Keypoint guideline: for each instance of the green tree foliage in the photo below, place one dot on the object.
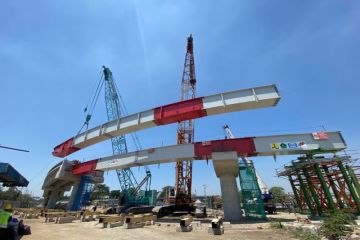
(11, 194)
(25, 199)
(115, 194)
(335, 225)
(101, 191)
(279, 194)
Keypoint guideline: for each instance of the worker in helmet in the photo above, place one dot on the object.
(5, 218)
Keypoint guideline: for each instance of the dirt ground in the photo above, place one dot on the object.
(164, 230)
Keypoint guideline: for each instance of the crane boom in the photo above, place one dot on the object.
(127, 180)
(185, 131)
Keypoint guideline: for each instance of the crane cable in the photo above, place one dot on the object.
(133, 135)
(89, 109)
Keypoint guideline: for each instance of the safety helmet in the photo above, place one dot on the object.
(8, 207)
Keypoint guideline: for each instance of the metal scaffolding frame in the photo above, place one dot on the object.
(252, 201)
(324, 184)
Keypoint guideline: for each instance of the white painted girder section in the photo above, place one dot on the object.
(147, 157)
(264, 145)
(121, 126)
(239, 100)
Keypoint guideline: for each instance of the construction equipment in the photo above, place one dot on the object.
(131, 189)
(128, 183)
(255, 195)
(185, 131)
(179, 198)
(324, 184)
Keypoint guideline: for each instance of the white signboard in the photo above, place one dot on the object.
(288, 145)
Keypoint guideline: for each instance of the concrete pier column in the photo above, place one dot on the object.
(54, 197)
(227, 169)
(74, 192)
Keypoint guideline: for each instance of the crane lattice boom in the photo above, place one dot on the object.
(185, 132)
(127, 181)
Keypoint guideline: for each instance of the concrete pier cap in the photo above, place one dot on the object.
(226, 167)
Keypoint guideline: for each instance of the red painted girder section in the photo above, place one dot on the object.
(243, 146)
(179, 111)
(85, 167)
(65, 148)
(171, 113)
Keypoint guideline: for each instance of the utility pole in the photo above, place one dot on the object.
(205, 195)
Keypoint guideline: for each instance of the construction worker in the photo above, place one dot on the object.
(5, 218)
(10, 227)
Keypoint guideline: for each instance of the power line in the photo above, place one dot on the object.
(15, 149)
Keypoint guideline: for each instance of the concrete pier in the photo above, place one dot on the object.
(227, 169)
(54, 196)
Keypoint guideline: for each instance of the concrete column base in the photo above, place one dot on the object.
(134, 225)
(184, 229)
(227, 169)
(216, 231)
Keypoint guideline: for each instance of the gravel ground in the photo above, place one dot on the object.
(167, 230)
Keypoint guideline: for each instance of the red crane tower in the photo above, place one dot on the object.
(185, 131)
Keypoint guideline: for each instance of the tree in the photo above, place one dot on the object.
(101, 191)
(115, 194)
(25, 199)
(278, 194)
(11, 194)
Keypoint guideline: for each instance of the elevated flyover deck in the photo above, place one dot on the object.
(60, 179)
(225, 154)
(244, 99)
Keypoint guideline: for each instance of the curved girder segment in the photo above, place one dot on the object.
(290, 144)
(239, 100)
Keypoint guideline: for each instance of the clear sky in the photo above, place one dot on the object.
(51, 53)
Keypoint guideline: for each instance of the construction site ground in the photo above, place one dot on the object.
(162, 229)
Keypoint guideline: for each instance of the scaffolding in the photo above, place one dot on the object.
(251, 198)
(324, 184)
(83, 193)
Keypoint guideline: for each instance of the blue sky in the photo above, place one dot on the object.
(51, 55)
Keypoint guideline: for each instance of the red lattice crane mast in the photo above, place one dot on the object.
(185, 132)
